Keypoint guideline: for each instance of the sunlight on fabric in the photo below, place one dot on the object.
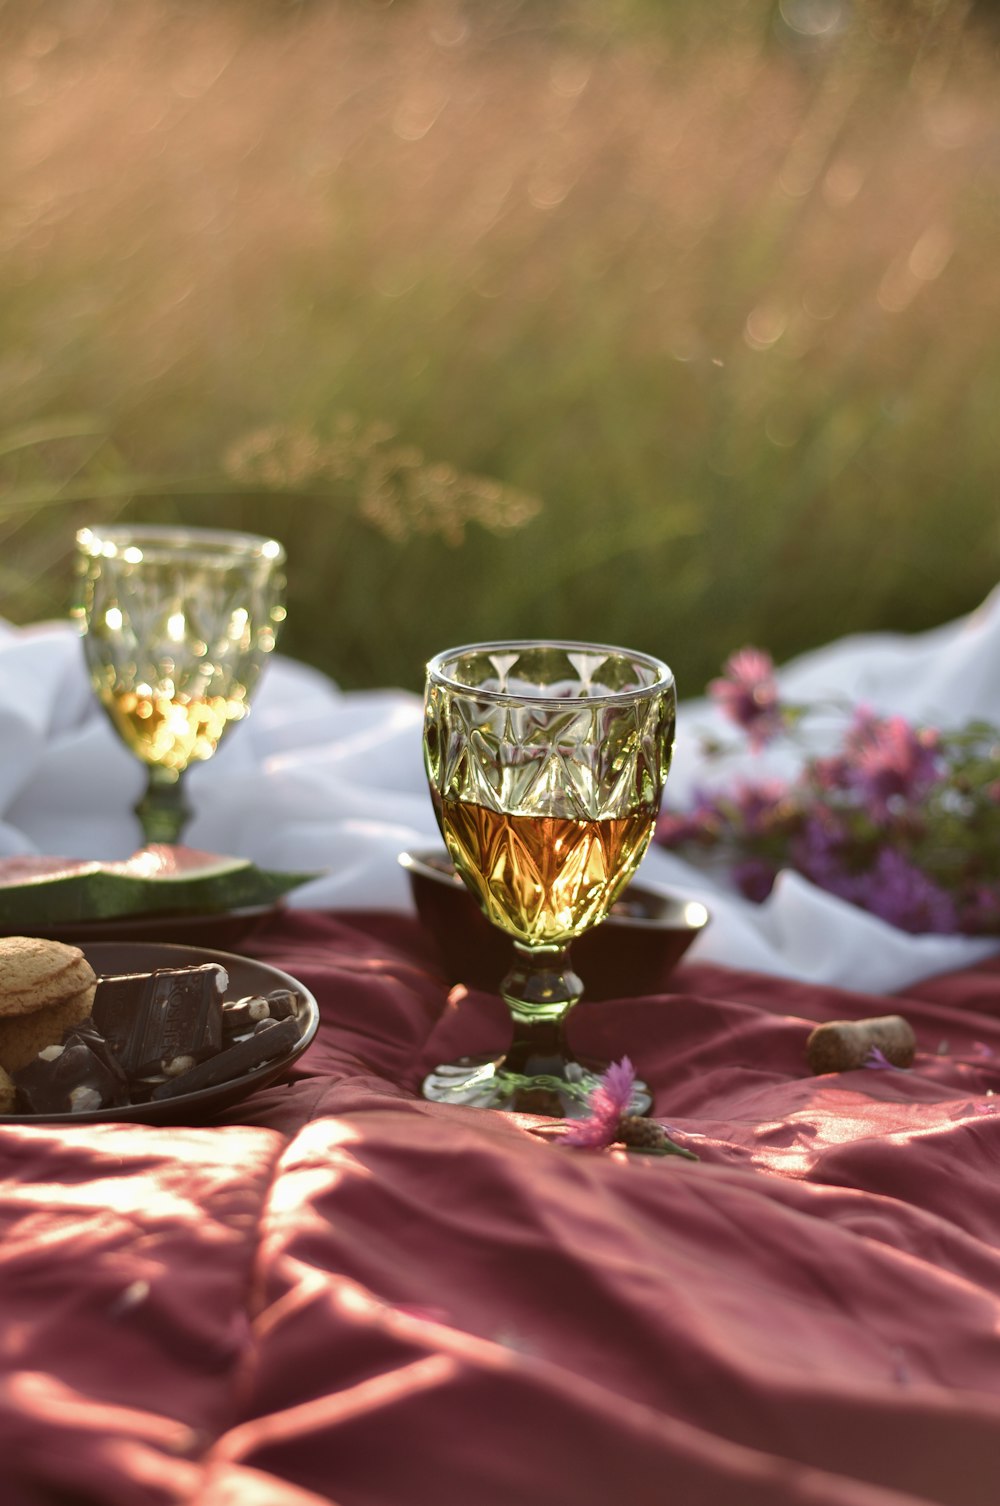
(382, 1390)
(376, 1393)
(797, 1143)
(112, 1197)
(100, 1186)
(118, 1428)
(325, 1147)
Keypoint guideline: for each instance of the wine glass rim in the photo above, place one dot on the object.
(163, 539)
(664, 676)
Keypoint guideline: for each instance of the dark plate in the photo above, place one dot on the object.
(245, 977)
(224, 928)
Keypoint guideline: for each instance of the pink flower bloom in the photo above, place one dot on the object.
(608, 1102)
(830, 774)
(747, 694)
(890, 761)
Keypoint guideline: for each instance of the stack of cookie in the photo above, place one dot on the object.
(46, 987)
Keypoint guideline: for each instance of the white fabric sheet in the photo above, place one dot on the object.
(321, 779)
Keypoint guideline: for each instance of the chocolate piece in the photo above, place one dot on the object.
(151, 1018)
(239, 1018)
(843, 1045)
(275, 1037)
(70, 1079)
(262, 1026)
(86, 1032)
(282, 1003)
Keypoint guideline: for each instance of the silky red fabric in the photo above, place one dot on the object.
(345, 1294)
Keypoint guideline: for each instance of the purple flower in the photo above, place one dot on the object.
(890, 886)
(758, 805)
(754, 878)
(878, 1060)
(890, 762)
(898, 892)
(608, 1102)
(818, 853)
(701, 824)
(750, 810)
(900, 820)
(747, 694)
(610, 1120)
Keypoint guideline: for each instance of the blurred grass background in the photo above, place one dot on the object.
(650, 321)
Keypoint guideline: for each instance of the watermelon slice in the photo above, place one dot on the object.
(157, 880)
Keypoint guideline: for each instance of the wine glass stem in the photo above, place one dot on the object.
(540, 990)
(163, 810)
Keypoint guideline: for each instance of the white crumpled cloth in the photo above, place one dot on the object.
(322, 779)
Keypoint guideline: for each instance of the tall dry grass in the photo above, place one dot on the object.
(725, 308)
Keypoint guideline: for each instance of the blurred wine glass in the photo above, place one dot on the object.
(177, 625)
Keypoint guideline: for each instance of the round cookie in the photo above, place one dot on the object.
(35, 974)
(22, 1036)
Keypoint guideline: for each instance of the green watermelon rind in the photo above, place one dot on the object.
(97, 894)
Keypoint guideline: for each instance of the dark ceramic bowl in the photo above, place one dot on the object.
(633, 952)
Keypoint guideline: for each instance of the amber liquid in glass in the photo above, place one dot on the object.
(543, 879)
(173, 732)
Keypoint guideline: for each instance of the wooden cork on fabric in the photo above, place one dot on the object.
(844, 1045)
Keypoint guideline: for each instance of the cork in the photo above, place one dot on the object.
(844, 1045)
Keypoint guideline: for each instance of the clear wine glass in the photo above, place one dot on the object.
(177, 624)
(546, 763)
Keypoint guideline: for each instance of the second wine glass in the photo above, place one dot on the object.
(546, 764)
(177, 624)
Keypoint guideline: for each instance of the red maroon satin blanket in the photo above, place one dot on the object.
(345, 1294)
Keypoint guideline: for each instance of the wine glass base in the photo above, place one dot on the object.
(482, 1082)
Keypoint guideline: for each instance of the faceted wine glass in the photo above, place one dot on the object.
(546, 764)
(177, 624)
